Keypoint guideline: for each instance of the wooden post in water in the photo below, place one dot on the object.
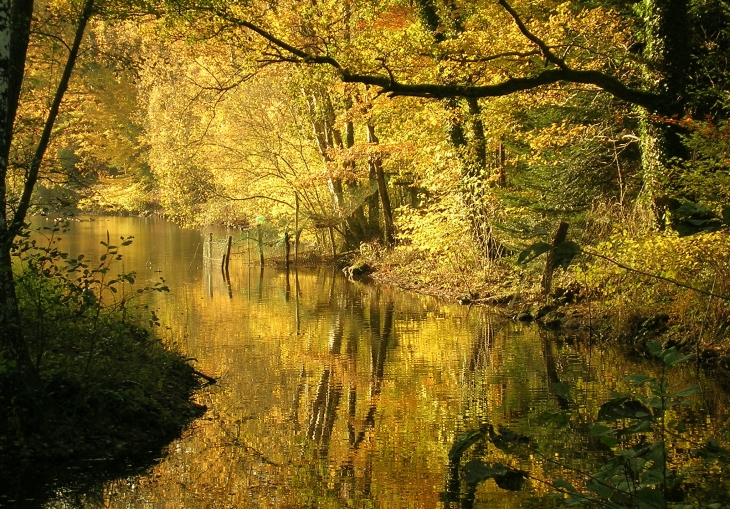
(261, 244)
(332, 241)
(227, 255)
(210, 246)
(287, 249)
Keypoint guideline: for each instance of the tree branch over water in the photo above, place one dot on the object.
(390, 85)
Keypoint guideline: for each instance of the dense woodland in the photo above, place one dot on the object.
(438, 138)
(435, 137)
(569, 159)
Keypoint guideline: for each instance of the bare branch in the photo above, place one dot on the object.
(258, 197)
(302, 55)
(32, 175)
(52, 36)
(549, 55)
(603, 81)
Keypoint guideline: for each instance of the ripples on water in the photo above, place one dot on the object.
(342, 394)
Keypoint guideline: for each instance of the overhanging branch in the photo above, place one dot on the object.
(605, 82)
(390, 85)
(35, 164)
(549, 55)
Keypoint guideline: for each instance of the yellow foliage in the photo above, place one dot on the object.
(699, 261)
(436, 230)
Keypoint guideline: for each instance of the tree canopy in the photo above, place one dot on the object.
(422, 124)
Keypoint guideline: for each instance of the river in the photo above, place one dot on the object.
(335, 393)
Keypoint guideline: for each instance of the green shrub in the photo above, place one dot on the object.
(103, 376)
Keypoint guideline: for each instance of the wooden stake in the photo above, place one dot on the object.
(547, 276)
(227, 256)
(287, 249)
(261, 244)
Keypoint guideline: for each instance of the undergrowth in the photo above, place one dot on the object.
(104, 384)
(629, 281)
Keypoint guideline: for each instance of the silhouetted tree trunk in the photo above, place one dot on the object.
(15, 23)
(666, 35)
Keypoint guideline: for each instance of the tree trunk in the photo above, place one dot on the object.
(475, 173)
(666, 32)
(467, 137)
(363, 226)
(15, 20)
(328, 138)
(14, 33)
(332, 242)
(373, 203)
(377, 167)
(287, 249)
(661, 147)
(14, 347)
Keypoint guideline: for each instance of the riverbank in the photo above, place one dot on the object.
(137, 393)
(630, 298)
(100, 385)
(82, 426)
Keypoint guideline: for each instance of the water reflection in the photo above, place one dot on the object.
(340, 394)
(71, 484)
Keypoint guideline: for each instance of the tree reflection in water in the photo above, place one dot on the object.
(340, 394)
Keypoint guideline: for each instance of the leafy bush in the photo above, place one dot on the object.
(699, 262)
(102, 375)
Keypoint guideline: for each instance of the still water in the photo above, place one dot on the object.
(335, 393)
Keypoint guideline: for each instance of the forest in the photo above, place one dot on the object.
(444, 143)
(567, 161)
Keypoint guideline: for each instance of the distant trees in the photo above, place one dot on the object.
(231, 141)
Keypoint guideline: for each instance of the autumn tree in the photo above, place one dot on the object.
(529, 53)
(101, 150)
(467, 134)
(225, 135)
(16, 20)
